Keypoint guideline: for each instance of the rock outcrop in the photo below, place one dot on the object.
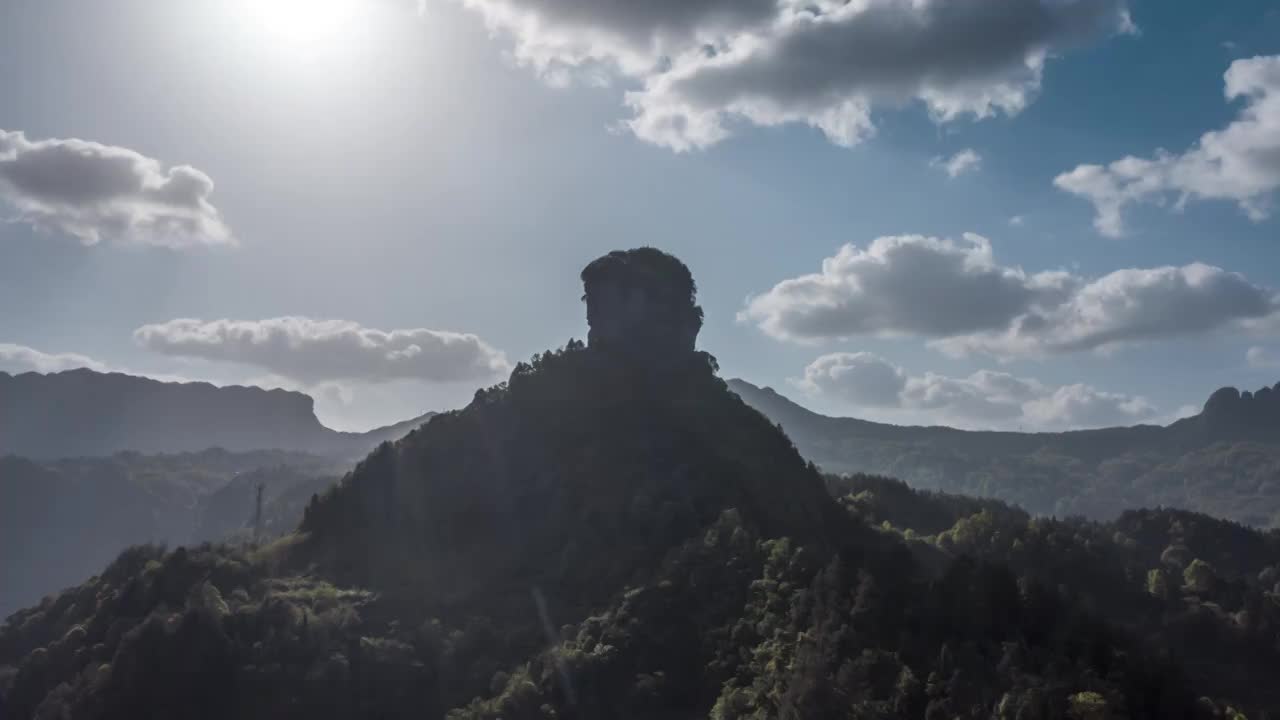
(1229, 406)
(641, 302)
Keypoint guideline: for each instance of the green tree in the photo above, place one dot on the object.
(1087, 705)
(1158, 582)
(1199, 576)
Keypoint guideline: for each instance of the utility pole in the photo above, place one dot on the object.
(257, 515)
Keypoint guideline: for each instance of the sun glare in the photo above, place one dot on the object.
(302, 27)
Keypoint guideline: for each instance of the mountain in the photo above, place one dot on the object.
(613, 533)
(1224, 461)
(61, 521)
(86, 413)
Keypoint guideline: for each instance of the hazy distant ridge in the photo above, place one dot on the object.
(87, 413)
(1224, 461)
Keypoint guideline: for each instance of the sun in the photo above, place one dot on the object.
(304, 28)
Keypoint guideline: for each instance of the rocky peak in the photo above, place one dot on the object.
(641, 302)
(1229, 405)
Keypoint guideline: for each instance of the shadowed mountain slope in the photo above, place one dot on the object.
(81, 412)
(61, 521)
(1224, 461)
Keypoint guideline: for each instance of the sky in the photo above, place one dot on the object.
(1036, 214)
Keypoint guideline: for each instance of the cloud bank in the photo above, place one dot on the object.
(315, 351)
(957, 296)
(94, 192)
(20, 358)
(1239, 163)
(985, 399)
(704, 65)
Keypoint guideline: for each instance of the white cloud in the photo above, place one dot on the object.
(703, 64)
(1126, 307)
(965, 161)
(861, 379)
(1261, 358)
(1082, 406)
(956, 295)
(315, 351)
(904, 285)
(985, 399)
(1017, 221)
(1240, 163)
(20, 358)
(96, 192)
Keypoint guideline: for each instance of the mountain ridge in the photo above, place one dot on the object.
(1223, 406)
(1222, 461)
(84, 412)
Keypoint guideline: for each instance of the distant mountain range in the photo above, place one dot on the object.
(1224, 461)
(86, 413)
(91, 463)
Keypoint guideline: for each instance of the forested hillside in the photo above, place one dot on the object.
(612, 533)
(62, 521)
(1224, 461)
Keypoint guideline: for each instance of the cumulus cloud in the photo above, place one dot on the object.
(904, 285)
(20, 358)
(956, 295)
(703, 64)
(315, 351)
(965, 161)
(1239, 163)
(984, 399)
(1129, 306)
(862, 379)
(96, 192)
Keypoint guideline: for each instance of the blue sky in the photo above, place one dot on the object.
(420, 172)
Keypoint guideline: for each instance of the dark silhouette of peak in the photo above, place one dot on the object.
(1224, 401)
(641, 302)
(87, 413)
(1229, 408)
(585, 466)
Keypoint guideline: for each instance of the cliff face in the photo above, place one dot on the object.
(640, 303)
(87, 413)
